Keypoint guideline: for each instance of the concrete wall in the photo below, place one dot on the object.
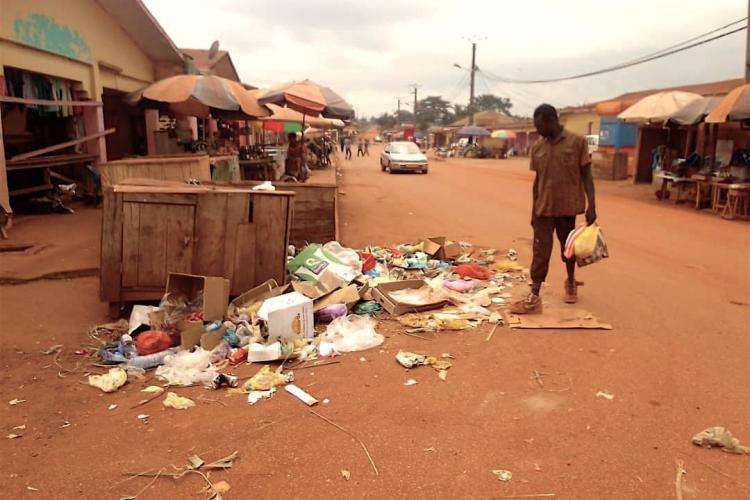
(72, 39)
(578, 123)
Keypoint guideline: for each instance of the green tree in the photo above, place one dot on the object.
(490, 102)
(433, 110)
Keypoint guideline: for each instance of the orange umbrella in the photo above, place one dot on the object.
(200, 95)
(734, 107)
(309, 98)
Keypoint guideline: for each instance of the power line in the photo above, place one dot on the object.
(657, 55)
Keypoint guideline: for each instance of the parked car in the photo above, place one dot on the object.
(403, 156)
(378, 139)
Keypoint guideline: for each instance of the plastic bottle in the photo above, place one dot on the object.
(150, 361)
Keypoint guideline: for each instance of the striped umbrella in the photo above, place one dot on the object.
(200, 95)
(307, 97)
(503, 134)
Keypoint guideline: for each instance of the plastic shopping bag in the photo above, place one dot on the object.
(585, 243)
(600, 251)
(570, 250)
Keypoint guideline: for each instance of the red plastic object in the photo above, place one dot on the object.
(152, 341)
(194, 316)
(368, 262)
(238, 355)
(473, 271)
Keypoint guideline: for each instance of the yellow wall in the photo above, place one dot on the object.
(578, 123)
(69, 39)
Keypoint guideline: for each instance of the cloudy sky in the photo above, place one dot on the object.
(371, 51)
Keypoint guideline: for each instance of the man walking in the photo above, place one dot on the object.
(348, 147)
(563, 177)
(360, 148)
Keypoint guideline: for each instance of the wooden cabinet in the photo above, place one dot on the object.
(151, 230)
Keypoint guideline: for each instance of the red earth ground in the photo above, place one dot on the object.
(676, 289)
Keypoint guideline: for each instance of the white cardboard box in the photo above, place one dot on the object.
(288, 316)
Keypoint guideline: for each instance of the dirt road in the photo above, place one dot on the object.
(676, 289)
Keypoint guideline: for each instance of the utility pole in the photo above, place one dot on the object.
(471, 88)
(415, 87)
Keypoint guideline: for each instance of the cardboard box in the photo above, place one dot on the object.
(215, 292)
(349, 296)
(261, 292)
(288, 316)
(194, 333)
(382, 295)
(440, 248)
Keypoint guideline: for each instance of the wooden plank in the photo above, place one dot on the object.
(244, 259)
(178, 169)
(33, 189)
(152, 245)
(237, 213)
(130, 229)
(111, 247)
(47, 102)
(210, 231)
(171, 199)
(62, 145)
(271, 231)
(180, 233)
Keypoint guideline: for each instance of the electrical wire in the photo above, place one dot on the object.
(644, 59)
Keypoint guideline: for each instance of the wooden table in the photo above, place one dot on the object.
(681, 183)
(250, 169)
(720, 201)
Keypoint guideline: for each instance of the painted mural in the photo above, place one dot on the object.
(44, 33)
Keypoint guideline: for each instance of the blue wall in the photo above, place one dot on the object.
(614, 132)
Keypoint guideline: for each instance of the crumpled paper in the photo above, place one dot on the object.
(110, 381)
(410, 360)
(177, 402)
(266, 379)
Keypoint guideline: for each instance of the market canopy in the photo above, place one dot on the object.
(472, 131)
(307, 97)
(694, 112)
(658, 107)
(279, 114)
(734, 107)
(200, 95)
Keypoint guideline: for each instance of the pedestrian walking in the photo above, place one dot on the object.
(348, 147)
(360, 148)
(367, 147)
(562, 184)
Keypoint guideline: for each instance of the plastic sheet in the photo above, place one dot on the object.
(353, 333)
(187, 368)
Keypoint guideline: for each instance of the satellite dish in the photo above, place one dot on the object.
(213, 50)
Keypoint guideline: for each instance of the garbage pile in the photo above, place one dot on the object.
(332, 305)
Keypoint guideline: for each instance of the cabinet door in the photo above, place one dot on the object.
(157, 239)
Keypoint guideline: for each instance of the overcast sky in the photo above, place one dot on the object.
(371, 51)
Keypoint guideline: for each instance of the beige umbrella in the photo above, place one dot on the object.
(734, 107)
(658, 107)
(281, 114)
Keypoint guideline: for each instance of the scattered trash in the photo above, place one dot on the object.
(13, 436)
(411, 381)
(186, 368)
(19, 427)
(266, 379)
(443, 374)
(144, 418)
(503, 475)
(14, 402)
(112, 407)
(53, 349)
(605, 394)
(65, 424)
(177, 402)
(346, 474)
(352, 333)
(31, 488)
(301, 395)
(326, 401)
(720, 437)
(255, 396)
(153, 389)
(363, 359)
(110, 381)
(410, 360)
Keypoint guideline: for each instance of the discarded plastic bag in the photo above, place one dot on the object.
(153, 341)
(187, 368)
(353, 333)
(177, 402)
(346, 255)
(110, 381)
(473, 271)
(265, 379)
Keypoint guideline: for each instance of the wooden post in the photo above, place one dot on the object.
(93, 122)
(4, 196)
(152, 125)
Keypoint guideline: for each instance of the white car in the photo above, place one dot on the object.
(403, 156)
